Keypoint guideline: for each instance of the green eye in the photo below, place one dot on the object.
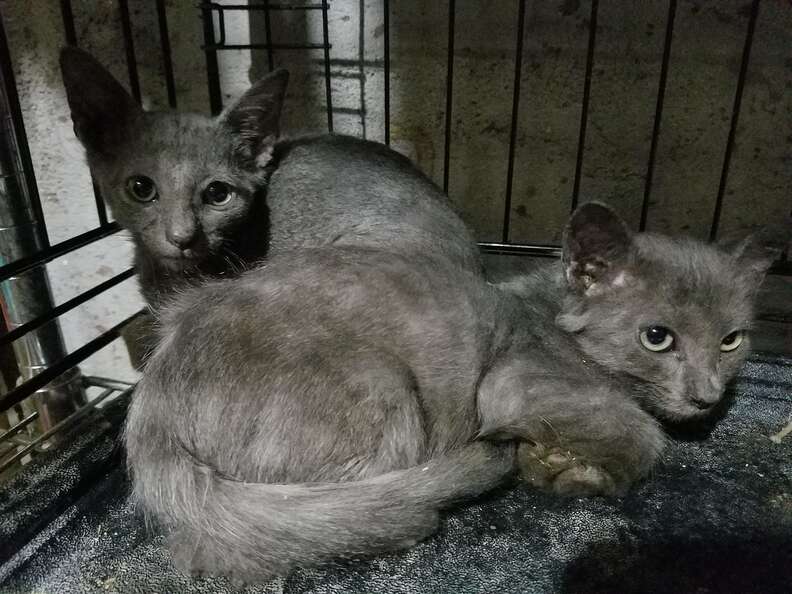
(732, 341)
(657, 339)
(218, 193)
(142, 188)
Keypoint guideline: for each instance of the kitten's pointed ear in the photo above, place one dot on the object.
(597, 246)
(757, 252)
(253, 120)
(102, 111)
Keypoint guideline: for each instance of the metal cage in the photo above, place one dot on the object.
(52, 382)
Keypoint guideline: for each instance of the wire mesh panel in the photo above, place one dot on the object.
(47, 393)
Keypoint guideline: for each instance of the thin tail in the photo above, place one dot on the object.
(257, 530)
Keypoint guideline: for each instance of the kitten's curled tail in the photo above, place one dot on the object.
(254, 531)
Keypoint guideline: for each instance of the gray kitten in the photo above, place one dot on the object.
(209, 196)
(330, 403)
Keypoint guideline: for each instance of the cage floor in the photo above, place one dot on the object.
(715, 517)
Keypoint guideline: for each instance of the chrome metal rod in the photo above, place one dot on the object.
(22, 234)
(106, 382)
(19, 426)
(63, 424)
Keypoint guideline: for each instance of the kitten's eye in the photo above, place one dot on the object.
(732, 341)
(657, 339)
(142, 188)
(218, 193)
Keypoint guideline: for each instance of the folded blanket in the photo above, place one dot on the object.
(715, 517)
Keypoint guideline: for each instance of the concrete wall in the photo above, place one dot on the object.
(705, 60)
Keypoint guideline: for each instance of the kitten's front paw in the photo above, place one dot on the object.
(559, 471)
(584, 481)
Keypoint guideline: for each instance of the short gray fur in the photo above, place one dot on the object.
(331, 402)
(287, 193)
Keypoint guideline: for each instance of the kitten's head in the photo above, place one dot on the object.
(674, 313)
(180, 183)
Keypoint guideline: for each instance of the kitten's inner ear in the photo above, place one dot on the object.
(597, 246)
(253, 120)
(102, 111)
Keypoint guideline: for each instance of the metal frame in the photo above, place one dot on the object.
(213, 18)
(212, 46)
(28, 447)
(49, 251)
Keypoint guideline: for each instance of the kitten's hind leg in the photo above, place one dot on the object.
(342, 415)
(595, 439)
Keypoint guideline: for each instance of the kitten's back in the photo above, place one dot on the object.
(347, 191)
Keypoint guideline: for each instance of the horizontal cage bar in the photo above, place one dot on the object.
(268, 46)
(57, 250)
(60, 426)
(65, 307)
(37, 382)
(6, 436)
(256, 7)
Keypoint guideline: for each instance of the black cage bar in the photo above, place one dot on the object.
(658, 115)
(735, 118)
(14, 131)
(584, 107)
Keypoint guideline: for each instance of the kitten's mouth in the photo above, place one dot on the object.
(673, 410)
(688, 412)
(180, 262)
(694, 413)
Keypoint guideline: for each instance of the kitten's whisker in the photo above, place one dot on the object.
(234, 260)
(560, 439)
(231, 264)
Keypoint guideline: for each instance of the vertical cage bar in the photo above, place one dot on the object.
(514, 122)
(134, 85)
(326, 43)
(67, 15)
(71, 38)
(386, 42)
(23, 235)
(449, 94)
(101, 209)
(129, 47)
(17, 136)
(167, 60)
(268, 33)
(746, 56)
(585, 107)
(658, 116)
(212, 72)
(361, 63)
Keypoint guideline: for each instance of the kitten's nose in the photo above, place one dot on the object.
(708, 394)
(702, 403)
(180, 237)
